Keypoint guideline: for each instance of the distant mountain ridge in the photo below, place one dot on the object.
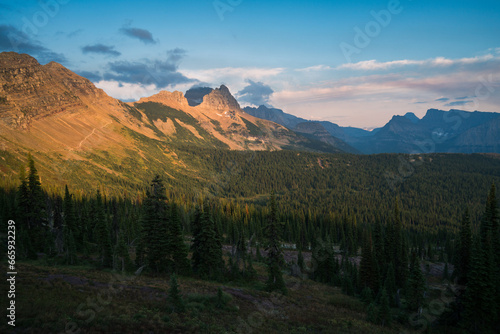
(454, 131)
(62, 118)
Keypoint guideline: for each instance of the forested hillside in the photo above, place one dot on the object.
(391, 230)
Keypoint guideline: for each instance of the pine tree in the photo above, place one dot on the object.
(371, 313)
(384, 312)
(479, 303)
(124, 263)
(37, 213)
(154, 236)
(415, 287)
(275, 258)
(26, 248)
(207, 248)
(390, 284)
(175, 297)
(481, 295)
(102, 233)
(23, 201)
(462, 262)
(177, 247)
(367, 270)
(69, 228)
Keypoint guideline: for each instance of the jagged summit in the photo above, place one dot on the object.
(173, 99)
(221, 100)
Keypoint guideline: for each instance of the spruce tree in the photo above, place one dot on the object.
(207, 248)
(26, 247)
(23, 201)
(479, 315)
(415, 287)
(371, 313)
(175, 297)
(154, 236)
(384, 312)
(367, 271)
(69, 228)
(177, 248)
(462, 263)
(122, 255)
(275, 258)
(102, 233)
(482, 292)
(37, 212)
(390, 284)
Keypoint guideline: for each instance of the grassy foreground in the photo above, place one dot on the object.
(63, 299)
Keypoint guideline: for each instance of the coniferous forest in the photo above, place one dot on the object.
(394, 252)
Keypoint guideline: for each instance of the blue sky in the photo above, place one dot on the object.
(351, 62)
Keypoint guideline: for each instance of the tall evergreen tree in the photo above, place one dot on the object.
(103, 236)
(462, 262)
(415, 287)
(367, 270)
(122, 256)
(174, 295)
(26, 247)
(176, 245)
(390, 284)
(154, 236)
(384, 312)
(275, 258)
(480, 313)
(69, 228)
(207, 248)
(37, 213)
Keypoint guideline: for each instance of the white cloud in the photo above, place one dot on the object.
(373, 65)
(315, 68)
(233, 77)
(372, 100)
(126, 91)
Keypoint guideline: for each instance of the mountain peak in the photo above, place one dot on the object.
(221, 99)
(173, 99)
(11, 60)
(412, 117)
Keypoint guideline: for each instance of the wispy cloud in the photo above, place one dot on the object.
(74, 33)
(374, 65)
(235, 77)
(143, 35)
(101, 49)
(161, 73)
(315, 68)
(458, 103)
(443, 99)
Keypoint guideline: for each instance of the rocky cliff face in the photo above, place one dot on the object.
(30, 91)
(173, 99)
(65, 120)
(221, 100)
